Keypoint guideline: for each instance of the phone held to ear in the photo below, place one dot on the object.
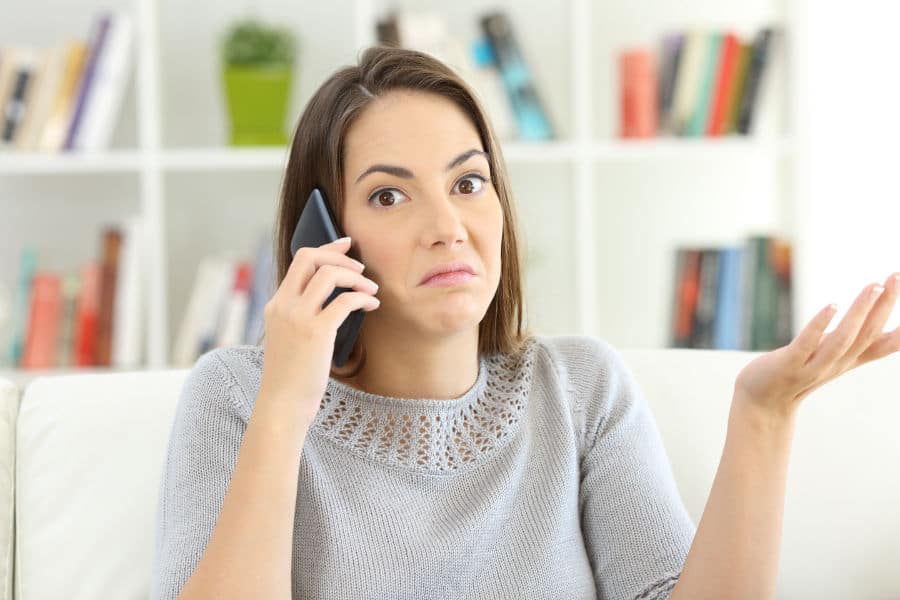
(317, 226)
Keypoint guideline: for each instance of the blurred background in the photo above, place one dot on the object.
(689, 174)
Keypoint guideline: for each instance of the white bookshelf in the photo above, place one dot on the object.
(161, 169)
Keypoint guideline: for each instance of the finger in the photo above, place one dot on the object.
(887, 343)
(329, 277)
(308, 259)
(874, 324)
(810, 337)
(345, 303)
(835, 345)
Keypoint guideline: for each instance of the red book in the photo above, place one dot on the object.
(724, 85)
(688, 293)
(85, 339)
(43, 322)
(639, 97)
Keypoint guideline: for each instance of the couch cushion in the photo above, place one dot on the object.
(90, 456)
(841, 532)
(9, 404)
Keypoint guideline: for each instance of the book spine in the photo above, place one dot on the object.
(112, 241)
(638, 96)
(87, 80)
(758, 60)
(43, 326)
(532, 119)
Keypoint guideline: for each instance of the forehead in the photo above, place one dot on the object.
(408, 128)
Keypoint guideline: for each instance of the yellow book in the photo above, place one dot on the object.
(53, 136)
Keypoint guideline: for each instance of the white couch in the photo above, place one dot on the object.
(87, 450)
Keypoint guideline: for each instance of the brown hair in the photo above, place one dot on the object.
(317, 160)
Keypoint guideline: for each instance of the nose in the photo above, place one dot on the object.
(443, 222)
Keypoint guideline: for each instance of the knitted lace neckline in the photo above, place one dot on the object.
(431, 435)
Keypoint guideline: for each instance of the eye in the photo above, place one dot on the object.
(381, 196)
(481, 179)
(384, 195)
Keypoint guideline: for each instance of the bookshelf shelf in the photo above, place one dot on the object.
(177, 116)
(115, 161)
(273, 158)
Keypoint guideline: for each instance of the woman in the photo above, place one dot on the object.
(457, 455)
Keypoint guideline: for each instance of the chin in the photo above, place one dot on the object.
(449, 319)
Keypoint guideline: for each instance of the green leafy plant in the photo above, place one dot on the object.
(250, 42)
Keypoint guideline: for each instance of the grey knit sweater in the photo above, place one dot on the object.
(546, 479)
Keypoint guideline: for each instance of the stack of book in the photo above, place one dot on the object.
(733, 297)
(88, 318)
(225, 307)
(68, 97)
(495, 67)
(702, 83)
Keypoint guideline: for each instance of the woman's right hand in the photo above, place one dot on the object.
(300, 334)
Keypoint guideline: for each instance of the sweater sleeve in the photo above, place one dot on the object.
(202, 452)
(636, 529)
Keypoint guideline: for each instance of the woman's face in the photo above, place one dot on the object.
(430, 208)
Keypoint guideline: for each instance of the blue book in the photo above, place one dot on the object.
(727, 325)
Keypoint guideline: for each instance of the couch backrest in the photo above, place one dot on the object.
(90, 455)
(842, 504)
(9, 406)
(91, 450)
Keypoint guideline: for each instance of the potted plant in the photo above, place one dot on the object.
(257, 71)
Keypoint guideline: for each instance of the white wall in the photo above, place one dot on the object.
(851, 115)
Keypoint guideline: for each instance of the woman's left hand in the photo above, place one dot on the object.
(777, 381)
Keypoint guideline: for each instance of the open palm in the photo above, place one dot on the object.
(778, 380)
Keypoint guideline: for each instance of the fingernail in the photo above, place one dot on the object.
(876, 291)
(342, 240)
(359, 264)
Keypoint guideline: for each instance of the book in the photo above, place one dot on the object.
(726, 326)
(56, 127)
(758, 60)
(699, 118)
(531, 117)
(127, 307)
(638, 94)
(707, 299)
(110, 80)
(687, 282)
(13, 112)
(724, 85)
(86, 311)
(86, 81)
(689, 82)
(22, 304)
(43, 323)
(670, 51)
(262, 286)
(109, 268)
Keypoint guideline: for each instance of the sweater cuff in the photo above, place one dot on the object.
(661, 589)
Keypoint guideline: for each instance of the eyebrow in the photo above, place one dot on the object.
(407, 174)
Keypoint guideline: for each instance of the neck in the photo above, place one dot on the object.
(441, 368)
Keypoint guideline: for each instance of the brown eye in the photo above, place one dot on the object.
(466, 185)
(385, 198)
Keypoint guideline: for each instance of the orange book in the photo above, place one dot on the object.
(724, 86)
(85, 339)
(639, 97)
(43, 322)
(109, 267)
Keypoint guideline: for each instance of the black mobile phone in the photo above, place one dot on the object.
(315, 227)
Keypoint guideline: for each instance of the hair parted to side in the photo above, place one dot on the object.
(317, 160)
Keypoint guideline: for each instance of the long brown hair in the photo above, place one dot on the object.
(317, 160)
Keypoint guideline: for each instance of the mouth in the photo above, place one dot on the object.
(453, 272)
